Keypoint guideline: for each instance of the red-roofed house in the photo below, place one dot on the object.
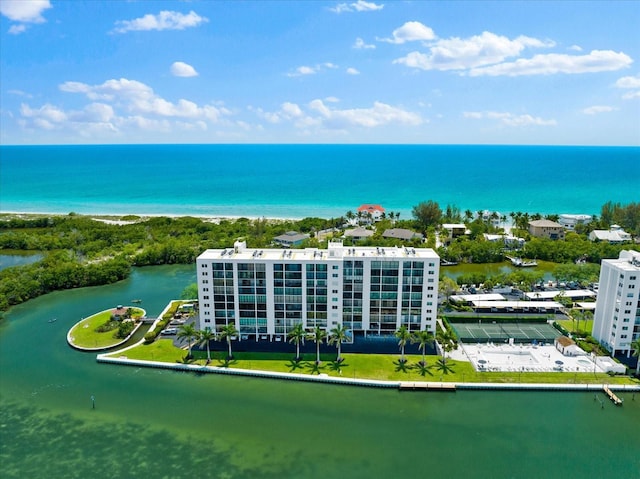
(374, 212)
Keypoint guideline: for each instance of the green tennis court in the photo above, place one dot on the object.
(521, 333)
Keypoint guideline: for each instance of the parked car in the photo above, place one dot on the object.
(169, 331)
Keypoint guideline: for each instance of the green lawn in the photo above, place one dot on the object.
(571, 325)
(84, 335)
(384, 367)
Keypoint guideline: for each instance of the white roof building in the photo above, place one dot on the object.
(614, 235)
(368, 290)
(617, 317)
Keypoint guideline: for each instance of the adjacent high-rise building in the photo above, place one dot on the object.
(617, 317)
(367, 290)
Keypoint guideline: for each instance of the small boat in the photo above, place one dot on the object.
(53, 320)
(136, 301)
(448, 263)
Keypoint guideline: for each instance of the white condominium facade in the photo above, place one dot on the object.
(617, 317)
(368, 290)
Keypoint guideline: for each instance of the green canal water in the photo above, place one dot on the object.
(158, 424)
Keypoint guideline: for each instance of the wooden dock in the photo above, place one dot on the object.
(616, 400)
(426, 386)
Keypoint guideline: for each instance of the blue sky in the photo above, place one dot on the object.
(359, 71)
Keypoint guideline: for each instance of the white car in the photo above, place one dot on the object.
(169, 331)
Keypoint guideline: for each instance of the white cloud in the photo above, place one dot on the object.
(307, 70)
(594, 110)
(410, 32)
(181, 69)
(509, 119)
(24, 11)
(460, 54)
(378, 115)
(165, 20)
(17, 29)
(352, 71)
(359, 6)
(361, 45)
(321, 115)
(119, 105)
(575, 48)
(332, 99)
(303, 70)
(552, 63)
(629, 82)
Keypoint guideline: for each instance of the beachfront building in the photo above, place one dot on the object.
(368, 290)
(370, 213)
(546, 229)
(569, 221)
(617, 318)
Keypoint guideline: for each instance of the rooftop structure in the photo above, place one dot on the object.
(617, 317)
(569, 293)
(368, 290)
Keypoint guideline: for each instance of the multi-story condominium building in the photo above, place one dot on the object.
(617, 317)
(367, 290)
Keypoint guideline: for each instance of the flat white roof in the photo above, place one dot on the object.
(315, 254)
(588, 306)
(478, 297)
(569, 293)
(517, 304)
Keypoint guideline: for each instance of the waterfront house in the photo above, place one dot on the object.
(569, 221)
(371, 213)
(546, 229)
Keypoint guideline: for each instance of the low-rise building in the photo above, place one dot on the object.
(371, 212)
(358, 234)
(615, 235)
(402, 234)
(569, 221)
(290, 238)
(546, 229)
(454, 230)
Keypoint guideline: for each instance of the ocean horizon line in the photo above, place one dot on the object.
(471, 145)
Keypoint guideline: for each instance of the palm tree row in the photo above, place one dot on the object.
(423, 338)
(318, 335)
(205, 336)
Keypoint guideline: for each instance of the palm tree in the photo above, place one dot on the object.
(636, 352)
(296, 336)
(424, 339)
(317, 335)
(188, 331)
(205, 336)
(338, 335)
(446, 342)
(227, 332)
(403, 335)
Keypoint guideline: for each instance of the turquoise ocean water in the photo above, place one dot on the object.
(313, 180)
